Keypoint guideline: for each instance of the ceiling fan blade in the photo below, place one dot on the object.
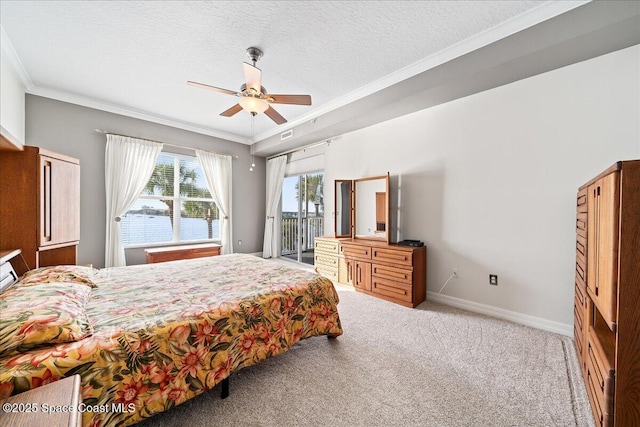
(275, 116)
(213, 88)
(289, 99)
(253, 77)
(231, 111)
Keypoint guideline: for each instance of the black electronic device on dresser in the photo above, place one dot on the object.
(414, 243)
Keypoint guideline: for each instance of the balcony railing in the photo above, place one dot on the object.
(312, 227)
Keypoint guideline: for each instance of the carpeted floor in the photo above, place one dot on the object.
(430, 366)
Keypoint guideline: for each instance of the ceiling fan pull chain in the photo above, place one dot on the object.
(253, 163)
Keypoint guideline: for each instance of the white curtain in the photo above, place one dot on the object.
(217, 170)
(275, 177)
(129, 163)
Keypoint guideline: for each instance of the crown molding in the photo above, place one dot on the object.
(136, 114)
(545, 11)
(16, 64)
(14, 60)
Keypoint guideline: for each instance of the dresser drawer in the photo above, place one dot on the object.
(578, 315)
(581, 270)
(581, 295)
(600, 380)
(400, 257)
(578, 339)
(580, 281)
(329, 272)
(581, 248)
(392, 289)
(581, 200)
(326, 260)
(328, 246)
(356, 251)
(580, 302)
(602, 419)
(581, 224)
(402, 275)
(579, 336)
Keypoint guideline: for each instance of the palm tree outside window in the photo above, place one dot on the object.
(175, 206)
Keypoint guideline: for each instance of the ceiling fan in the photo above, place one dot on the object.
(253, 96)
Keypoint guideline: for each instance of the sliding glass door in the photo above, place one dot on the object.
(302, 215)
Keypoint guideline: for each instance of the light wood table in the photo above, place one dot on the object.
(53, 405)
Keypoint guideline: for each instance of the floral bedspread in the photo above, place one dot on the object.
(164, 333)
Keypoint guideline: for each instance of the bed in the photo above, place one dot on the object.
(146, 338)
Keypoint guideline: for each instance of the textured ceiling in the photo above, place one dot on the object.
(136, 56)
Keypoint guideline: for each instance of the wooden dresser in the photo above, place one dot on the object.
(40, 206)
(385, 270)
(607, 293)
(174, 253)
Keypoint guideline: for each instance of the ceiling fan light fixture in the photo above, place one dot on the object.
(253, 105)
(253, 97)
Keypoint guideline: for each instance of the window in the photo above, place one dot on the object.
(174, 207)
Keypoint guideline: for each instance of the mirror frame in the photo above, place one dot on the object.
(386, 209)
(335, 205)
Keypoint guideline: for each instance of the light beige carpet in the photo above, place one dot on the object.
(431, 366)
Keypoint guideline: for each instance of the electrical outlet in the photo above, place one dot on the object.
(455, 272)
(239, 242)
(493, 279)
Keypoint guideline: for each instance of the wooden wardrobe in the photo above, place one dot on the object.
(607, 293)
(40, 206)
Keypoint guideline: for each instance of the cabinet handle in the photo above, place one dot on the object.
(597, 239)
(46, 202)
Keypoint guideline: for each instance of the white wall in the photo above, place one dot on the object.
(11, 103)
(489, 181)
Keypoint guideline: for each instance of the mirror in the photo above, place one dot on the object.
(343, 208)
(371, 208)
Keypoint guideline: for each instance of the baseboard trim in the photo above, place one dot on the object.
(513, 316)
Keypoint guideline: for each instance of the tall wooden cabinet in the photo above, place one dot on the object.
(386, 270)
(607, 293)
(40, 206)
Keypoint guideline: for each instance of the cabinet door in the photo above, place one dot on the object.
(59, 201)
(602, 240)
(362, 275)
(350, 270)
